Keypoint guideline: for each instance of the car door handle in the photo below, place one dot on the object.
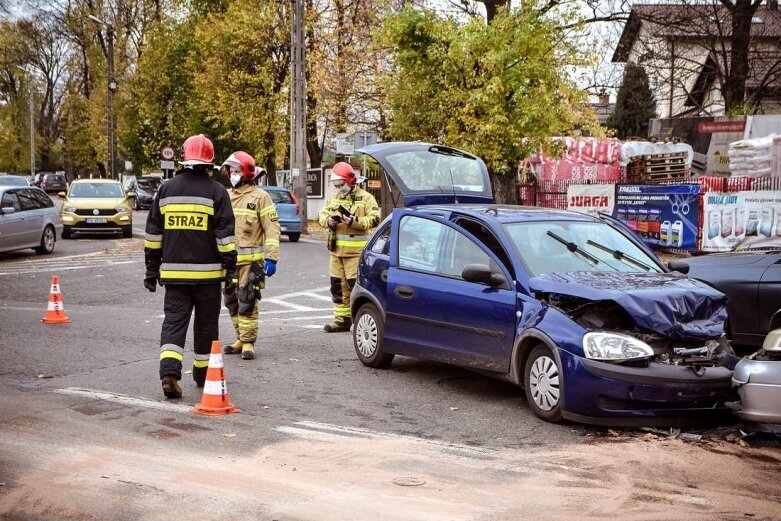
(404, 292)
(384, 275)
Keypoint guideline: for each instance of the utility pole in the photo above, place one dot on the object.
(298, 108)
(111, 171)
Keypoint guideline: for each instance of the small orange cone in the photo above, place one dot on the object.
(55, 313)
(214, 401)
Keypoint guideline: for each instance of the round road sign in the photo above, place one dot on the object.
(167, 153)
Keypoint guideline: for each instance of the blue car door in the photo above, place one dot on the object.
(431, 311)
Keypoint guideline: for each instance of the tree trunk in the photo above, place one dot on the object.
(735, 85)
(504, 187)
(492, 7)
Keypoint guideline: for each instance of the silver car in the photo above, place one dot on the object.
(28, 219)
(758, 381)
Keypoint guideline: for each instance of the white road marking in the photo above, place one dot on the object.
(50, 268)
(316, 296)
(301, 293)
(124, 399)
(296, 307)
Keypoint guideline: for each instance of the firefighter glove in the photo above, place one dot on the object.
(348, 220)
(231, 280)
(271, 267)
(151, 278)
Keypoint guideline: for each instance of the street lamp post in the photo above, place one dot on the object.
(32, 121)
(112, 87)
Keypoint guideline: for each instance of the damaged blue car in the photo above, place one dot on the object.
(573, 308)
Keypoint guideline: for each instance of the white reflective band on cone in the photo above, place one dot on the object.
(215, 360)
(215, 388)
(54, 306)
(55, 289)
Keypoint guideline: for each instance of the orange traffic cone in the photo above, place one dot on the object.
(214, 401)
(55, 313)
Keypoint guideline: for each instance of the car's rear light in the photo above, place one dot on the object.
(295, 200)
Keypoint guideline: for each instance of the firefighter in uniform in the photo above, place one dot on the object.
(349, 216)
(189, 248)
(257, 247)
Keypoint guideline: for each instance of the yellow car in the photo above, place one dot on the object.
(97, 206)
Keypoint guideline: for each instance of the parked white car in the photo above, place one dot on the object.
(28, 219)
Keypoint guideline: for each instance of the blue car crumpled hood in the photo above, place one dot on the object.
(665, 303)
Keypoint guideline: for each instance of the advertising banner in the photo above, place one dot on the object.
(591, 199)
(741, 220)
(662, 215)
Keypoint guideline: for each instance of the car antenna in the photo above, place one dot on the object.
(453, 184)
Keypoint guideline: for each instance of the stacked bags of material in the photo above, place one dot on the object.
(754, 157)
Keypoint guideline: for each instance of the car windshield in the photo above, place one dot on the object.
(12, 180)
(561, 247)
(424, 171)
(109, 190)
(279, 196)
(149, 184)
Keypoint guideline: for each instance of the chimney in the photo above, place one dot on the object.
(604, 98)
(772, 5)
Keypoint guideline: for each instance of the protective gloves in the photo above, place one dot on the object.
(151, 278)
(231, 280)
(271, 267)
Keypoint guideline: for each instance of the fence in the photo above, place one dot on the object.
(550, 194)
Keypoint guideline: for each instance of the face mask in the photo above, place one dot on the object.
(235, 179)
(344, 189)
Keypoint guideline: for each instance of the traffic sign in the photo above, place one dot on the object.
(167, 153)
(167, 165)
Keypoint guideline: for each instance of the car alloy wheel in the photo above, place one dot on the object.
(543, 384)
(47, 241)
(367, 337)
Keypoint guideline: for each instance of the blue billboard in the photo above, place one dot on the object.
(662, 215)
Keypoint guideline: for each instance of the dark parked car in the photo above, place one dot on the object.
(752, 281)
(53, 183)
(145, 187)
(572, 308)
(287, 209)
(28, 219)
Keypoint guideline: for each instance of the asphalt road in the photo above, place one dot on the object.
(85, 432)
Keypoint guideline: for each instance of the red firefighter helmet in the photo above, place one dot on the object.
(343, 172)
(197, 150)
(243, 161)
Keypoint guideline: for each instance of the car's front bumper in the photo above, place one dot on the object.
(98, 224)
(660, 394)
(758, 383)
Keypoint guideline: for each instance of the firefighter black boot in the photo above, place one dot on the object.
(171, 388)
(338, 326)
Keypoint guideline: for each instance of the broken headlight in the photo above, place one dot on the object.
(615, 346)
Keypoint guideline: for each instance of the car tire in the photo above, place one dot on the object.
(543, 384)
(66, 232)
(48, 238)
(127, 232)
(367, 337)
(293, 237)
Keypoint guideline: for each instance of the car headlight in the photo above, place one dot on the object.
(123, 209)
(69, 209)
(614, 346)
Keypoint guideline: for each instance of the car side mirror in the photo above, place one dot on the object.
(772, 343)
(61, 195)
(481, 274)
(8, 209)
(679, 265)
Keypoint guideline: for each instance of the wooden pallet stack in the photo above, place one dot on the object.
(658, 169)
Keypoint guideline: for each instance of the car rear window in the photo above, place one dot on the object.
(279, 196)
(54, 177)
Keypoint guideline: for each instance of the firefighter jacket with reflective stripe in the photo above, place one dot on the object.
(349, 241)
(189, 231)
(257, 224)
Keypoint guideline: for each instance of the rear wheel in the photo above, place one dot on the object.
(367, 337)
(294, 236)
(127, 232)
(47, 241)
(66, 232)
(543, 385)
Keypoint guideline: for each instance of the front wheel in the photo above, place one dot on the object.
(367, 337)
(293, 237)
(543, 385)
(47, 241)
